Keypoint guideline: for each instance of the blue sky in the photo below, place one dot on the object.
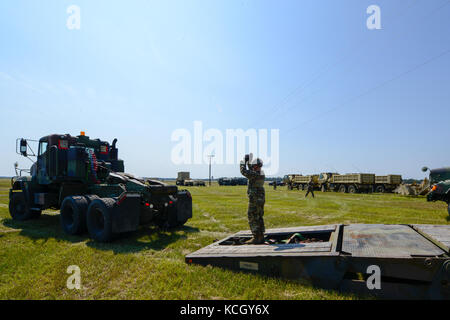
(344, 98)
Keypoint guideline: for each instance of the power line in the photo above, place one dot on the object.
(429, 13)
(327, 68)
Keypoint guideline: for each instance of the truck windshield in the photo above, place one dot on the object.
(439, 176)
(42, 147)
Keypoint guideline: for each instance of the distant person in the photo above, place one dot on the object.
(256, 197)
(275, 185)
(310, 188)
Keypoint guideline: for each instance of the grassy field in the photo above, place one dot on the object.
(149, 263)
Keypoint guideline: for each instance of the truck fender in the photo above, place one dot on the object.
(126, 212)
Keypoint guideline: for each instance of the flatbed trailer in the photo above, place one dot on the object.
(413, 260)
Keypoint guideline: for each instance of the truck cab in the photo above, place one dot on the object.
(85, 180)
(440, 185)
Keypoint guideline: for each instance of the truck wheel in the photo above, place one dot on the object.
(99, 219)
(343, 188)
(73, 214)
(20, 209)
(380, 189)
(90, 197)
(351, 189)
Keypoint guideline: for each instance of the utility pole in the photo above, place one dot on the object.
(210, 156)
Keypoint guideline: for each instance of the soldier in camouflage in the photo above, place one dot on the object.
(310, 188)
(256, 197)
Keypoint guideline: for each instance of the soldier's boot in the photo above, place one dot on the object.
(256, 239)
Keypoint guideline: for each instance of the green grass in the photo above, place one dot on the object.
(149, 263)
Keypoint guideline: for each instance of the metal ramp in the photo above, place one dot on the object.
(413, 260)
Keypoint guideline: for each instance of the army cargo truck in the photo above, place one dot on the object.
(350, 182)
(440, 185)
(387, 183)
(183, 179)
(85, 180)
(300, 182)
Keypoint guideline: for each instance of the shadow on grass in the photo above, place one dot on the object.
(146, 237)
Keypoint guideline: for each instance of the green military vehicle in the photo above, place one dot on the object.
(232, 181)
(85, 180)
(440, 185)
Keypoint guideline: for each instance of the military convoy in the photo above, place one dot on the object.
(184, 179)
(85, 180)
(350, 182)
(440, 185)
(232, 181)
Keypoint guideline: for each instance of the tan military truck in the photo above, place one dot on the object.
(387, 183)
(300, 182)
(184, 179)
(350, 182)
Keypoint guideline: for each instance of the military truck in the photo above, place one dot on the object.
(85, 180)
(350, 182)
(440, 185)
(387, 183)
(183, 179)
(225, 181)
(300, 182)
(232, 181)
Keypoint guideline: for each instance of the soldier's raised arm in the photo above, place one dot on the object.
(247, 172)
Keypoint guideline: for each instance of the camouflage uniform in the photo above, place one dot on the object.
(256, 198)
(310, 189)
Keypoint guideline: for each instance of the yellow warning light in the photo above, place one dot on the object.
(82, 133)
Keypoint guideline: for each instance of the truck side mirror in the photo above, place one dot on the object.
(424, 169)
(23, 147)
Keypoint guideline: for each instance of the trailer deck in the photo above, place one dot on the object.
(413, 260)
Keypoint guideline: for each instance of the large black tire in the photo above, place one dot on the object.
(380, 189)
(20, 210)
(352, 189)
(90, 197)
(342, 188)
(73, 215)
(99, 219)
